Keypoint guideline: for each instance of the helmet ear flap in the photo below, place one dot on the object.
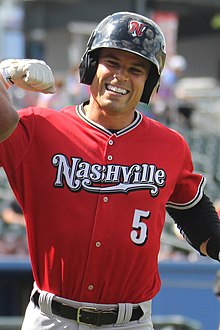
(89, 62)
(151, 85)
(88, 67)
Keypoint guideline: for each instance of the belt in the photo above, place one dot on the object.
(88, 315)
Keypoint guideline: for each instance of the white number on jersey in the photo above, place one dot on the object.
(140, 232)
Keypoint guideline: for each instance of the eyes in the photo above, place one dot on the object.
(112, 63)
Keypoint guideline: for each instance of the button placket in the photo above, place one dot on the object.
(96, 249)
(110, 143)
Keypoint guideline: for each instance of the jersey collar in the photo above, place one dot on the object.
(81, 113)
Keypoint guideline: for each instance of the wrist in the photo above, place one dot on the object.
(213, 247)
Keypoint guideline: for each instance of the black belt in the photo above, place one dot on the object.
(88, 315)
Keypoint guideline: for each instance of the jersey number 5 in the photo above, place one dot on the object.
(140, 233)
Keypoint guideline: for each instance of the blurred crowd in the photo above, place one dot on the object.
(13, 240)
(170, 105)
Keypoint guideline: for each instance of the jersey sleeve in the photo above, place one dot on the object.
(14, 148)
(189, 187)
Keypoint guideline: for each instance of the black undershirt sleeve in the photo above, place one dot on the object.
(198, 223)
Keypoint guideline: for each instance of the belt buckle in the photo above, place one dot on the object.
(86, 309)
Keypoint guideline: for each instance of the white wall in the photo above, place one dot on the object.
(202, 55)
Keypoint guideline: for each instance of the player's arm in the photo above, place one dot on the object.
(8, 115)
(31, 75)
(200, 226)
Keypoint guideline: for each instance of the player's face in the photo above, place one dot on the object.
(119, 81)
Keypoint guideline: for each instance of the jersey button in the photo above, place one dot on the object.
(110, 142)
(105, 199)
(90, 287)
(110, 157)
(97, 244)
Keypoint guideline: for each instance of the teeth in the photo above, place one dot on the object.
(116, 89)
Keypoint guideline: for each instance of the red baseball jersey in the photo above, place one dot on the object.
(94, 201)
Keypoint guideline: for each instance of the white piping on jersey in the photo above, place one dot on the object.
(138, 118)
(191, 203)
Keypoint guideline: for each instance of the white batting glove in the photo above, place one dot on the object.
(31, 75)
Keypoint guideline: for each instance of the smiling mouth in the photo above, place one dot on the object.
(117, 90)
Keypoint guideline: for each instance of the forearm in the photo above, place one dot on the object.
(200, 226)
(9, 117)
(28, 74)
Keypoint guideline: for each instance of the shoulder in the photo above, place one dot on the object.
(69, 110)
(39, 113)
(35, 111)
(158, 131)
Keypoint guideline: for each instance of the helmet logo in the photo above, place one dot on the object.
(136, 28)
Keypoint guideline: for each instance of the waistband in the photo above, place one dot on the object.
(89, 313)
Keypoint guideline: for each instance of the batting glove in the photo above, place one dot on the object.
(31, 75)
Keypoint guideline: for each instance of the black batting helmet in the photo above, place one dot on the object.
(130, 32)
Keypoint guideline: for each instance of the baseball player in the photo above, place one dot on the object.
(94, 182)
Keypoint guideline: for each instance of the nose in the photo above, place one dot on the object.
(121, 75)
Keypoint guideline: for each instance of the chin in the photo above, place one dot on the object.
(112, 108)
(114, 105)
